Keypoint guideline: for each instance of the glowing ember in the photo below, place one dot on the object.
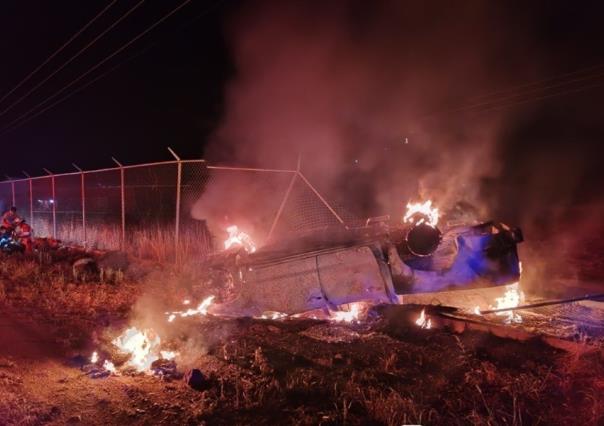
(94, 358)
(510, 299)
(202, 309)
(352, 315)
(273, 315)
(141, 345)
(423, 321)
(239, 238)
(418, 213)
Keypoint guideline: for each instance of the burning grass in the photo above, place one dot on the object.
(383, 369)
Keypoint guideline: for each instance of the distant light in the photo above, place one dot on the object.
(356, 161)
(51, 201)
(406, 141)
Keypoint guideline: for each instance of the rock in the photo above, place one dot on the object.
(195, 379)
(85, 269)
(74, 419)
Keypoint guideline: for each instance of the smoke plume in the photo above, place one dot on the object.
(382, 102)
(363, 93)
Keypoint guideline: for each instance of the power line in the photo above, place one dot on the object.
(120, 19)
(70, 94)
(59, 50)
(562, 83)
(538, 82)
(546, 96)
(517, 98)
(24, 117)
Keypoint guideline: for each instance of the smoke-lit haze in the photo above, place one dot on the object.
(363, 94)
(372, 97)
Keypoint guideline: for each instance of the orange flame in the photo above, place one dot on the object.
(201, 309)
(352, 315)
(418, 213)
(423, 321)
(239, 238)
(512, 298)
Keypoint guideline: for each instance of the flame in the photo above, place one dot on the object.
(510, 299)
(273, 315)
(239, 238)
(352, 315)
(423, 321)
(141, 345)
(426, 213)
(108, 365)
(94, 358)
(202, 309)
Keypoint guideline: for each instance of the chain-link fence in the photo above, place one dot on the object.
(168, 210)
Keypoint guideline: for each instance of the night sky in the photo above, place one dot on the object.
(169, 88)
(166, 92)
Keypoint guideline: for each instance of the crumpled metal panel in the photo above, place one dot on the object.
(313, 281)
(288, 287)
(351, 275)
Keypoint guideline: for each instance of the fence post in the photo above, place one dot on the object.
(177, 214)
(12, 187)
(54, 203)
(123, 198)
(83, 199)
(285, 197)
(31, 199)
(282, 205)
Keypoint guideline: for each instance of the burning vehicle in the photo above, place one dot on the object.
(376, 262)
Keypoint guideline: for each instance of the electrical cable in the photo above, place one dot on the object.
(93, 68)
(124, 16)
(59, 50)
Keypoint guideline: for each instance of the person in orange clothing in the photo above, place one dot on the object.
(23, 234)
(9, 217)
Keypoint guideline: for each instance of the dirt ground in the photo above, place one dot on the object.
(384, 370)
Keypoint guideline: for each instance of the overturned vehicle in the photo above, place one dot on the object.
(377, 263)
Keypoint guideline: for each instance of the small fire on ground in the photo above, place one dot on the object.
(201, 309)
(512, 298)
(423, 321)
(353, 314)
(144, 346)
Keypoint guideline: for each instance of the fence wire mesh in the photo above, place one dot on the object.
(169, 210)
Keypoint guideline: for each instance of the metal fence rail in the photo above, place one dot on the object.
(167, 210)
